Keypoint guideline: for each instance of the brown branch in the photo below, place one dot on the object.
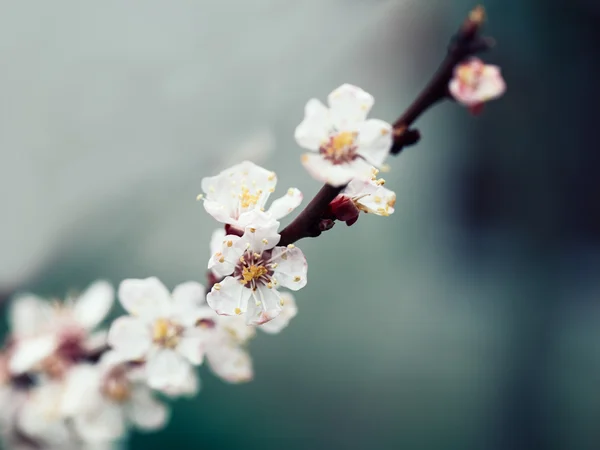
(465, 43)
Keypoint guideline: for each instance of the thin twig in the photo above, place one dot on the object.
(465, 43)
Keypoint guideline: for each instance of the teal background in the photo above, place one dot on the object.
(467, 320)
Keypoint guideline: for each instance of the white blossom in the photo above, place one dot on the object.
(253, 267)
(289, 311)
(242, 188)
(345, 143)
(116, 398)
(370, 195)
(41, 329)
(475, 83)
(161, 329)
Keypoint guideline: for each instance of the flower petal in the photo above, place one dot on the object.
(286, 204)
(29, 314)
(192, 347)
(216, 240)
(229, 297)
(223, 261)
(374, 141)
(147, 298)
(265, 305)
(230, 363)
(81, 389)
(145, 411)
(165, 367)
(188, 297)
(349, 105)
(291, 267)
(237, 328)
(323, 170)
(130, 336)
(94, 304)
(315, 127)
(282, 320)
(260, 231)
(104, 421)
(30, 352)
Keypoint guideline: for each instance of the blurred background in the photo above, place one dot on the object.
(470, 319)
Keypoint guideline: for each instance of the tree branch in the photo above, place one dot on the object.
(465, 43)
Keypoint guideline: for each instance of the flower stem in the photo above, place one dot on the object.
(465, 43)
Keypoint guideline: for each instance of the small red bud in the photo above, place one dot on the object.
(344, 209)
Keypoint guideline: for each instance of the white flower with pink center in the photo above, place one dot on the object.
(345, 143)
(243, 188)
(116, 398)
(161, 330)
(253, 267)
(475, 83)
(49, 336)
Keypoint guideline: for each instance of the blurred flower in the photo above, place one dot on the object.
(116, 398)
(242, 188)
(50, 336)
(345, 142)
(289, 311)
(475, 83)
(253, 268)
(161, 329)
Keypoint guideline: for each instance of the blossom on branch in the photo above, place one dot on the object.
(475, 83)
(345, 143)
(161, 330)
(242, 188)
(253, 268)
(48, 336)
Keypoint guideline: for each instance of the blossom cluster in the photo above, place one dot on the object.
(66, 382)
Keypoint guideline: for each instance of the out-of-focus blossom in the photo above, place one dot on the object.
(116, 398)
(289, 311)
(345, 143)
(253, 268)
(49, 336)
(161, 329)
(475, 83)
(243, 188)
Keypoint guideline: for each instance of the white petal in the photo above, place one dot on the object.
(262, 226)
(236, 328)
(94, 304)
(374, 141)
(29, 352)
(29, 314)
(41, 417)
(230, 363)
(349, 105)
(216, 240)
(264, 306)
(110, 359)
(81, 389)
(145, 411)
(240, 188)
(192, 348)
(96, 341)
(104, 421)
(189, 388)
(229, 297)
(323, 170)
(224, 260)
(165, 367)
(315, 127)
(188, 297)
(381, 202)
(286, 204)
(291, 267)
(147, 298)
(130, 336)
(283, 319)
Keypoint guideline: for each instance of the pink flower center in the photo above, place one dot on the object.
(340, 148)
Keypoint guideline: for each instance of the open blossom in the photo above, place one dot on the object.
(345, 143)
(253, 268)
(242, 188)
(54, 334)
(161, 329)
(475, 83)
(116, 398)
